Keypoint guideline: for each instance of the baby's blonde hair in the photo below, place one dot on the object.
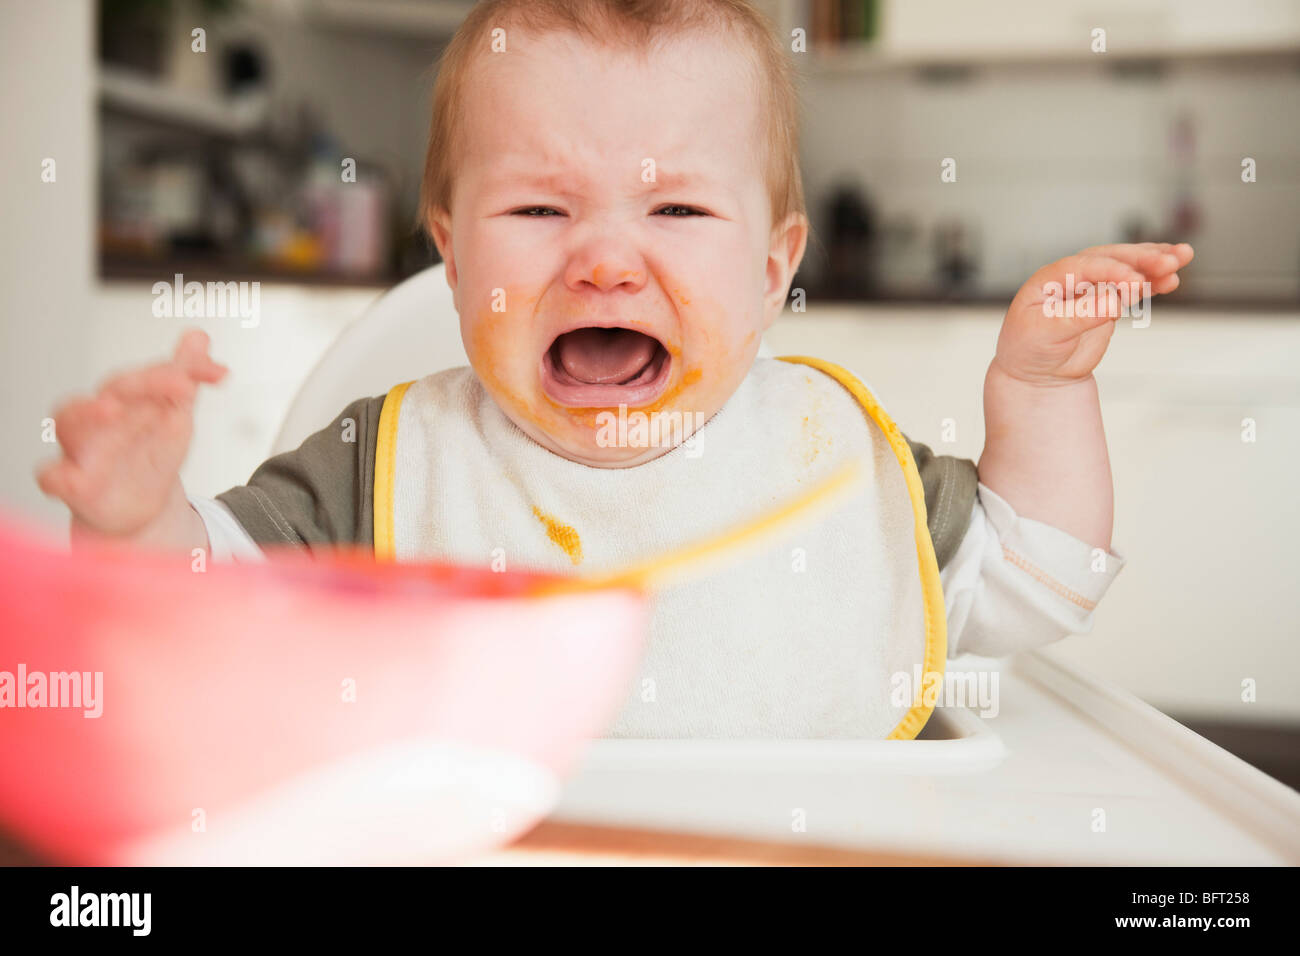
(633, 25)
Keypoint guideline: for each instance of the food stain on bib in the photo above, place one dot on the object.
(815, 439)
(562, 534)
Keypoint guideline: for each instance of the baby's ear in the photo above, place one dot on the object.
(785, 252)
(438, 226)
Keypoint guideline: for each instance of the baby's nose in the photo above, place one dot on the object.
(607, 276)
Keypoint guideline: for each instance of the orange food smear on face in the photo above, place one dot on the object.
(563, 535)
(490, 334)
(690, 378)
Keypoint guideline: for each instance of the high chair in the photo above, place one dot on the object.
(1072, 769)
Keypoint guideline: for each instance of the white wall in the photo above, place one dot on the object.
(46, 243)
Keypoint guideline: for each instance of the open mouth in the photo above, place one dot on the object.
(599, 367)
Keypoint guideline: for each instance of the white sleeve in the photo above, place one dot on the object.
(227, 539)
(1016, 583)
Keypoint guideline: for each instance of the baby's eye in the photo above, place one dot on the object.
(678, 211)
(537, 211)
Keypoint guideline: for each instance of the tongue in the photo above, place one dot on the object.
(604, 356)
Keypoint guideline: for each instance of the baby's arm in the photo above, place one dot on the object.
(1044, 447)
(1016, 583)
(321, 494)
(123, 449)
(1010, 583)
(1024, 573)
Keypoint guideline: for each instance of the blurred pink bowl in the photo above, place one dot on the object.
(308, 710)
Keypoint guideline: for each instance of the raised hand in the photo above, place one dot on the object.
(1059, 349)
(123, 447)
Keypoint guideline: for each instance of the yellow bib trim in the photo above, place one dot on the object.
(386, 471)
(936, 621)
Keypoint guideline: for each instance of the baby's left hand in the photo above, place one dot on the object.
(1059, 349)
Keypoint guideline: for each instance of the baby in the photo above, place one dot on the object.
(614, 189)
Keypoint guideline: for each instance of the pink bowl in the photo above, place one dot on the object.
(308, 710)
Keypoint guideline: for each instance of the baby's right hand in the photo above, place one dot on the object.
(123, 448)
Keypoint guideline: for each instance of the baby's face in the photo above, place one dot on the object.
(609, 240)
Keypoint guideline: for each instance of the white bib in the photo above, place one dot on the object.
(805, 638)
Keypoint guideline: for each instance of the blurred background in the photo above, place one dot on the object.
(232, 161)
(227, 160)
(145, 138)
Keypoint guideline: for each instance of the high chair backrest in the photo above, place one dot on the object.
(412, 331)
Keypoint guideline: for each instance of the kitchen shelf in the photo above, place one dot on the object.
(137, 95)
(126, 268)
(407, 18)
(872, 57)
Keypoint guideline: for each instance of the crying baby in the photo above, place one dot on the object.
(615, 193)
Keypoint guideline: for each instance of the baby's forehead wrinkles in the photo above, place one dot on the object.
(557, 181)
(573, 179)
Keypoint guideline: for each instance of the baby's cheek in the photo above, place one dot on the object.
(715, 363)
(499, 350)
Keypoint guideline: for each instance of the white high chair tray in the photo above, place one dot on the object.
(1065, 755)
